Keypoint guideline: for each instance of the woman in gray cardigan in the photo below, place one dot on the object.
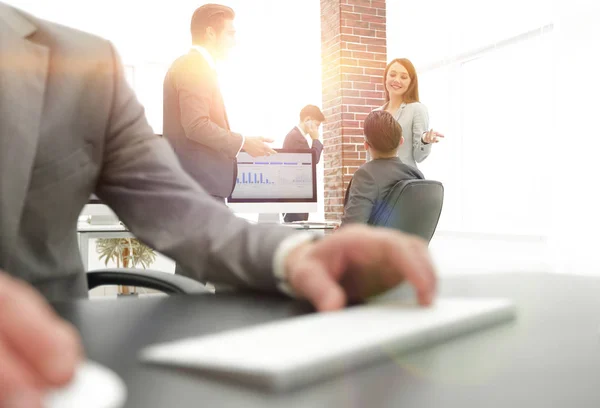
(402, 101)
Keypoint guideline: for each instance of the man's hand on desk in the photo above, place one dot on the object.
(256, 146)
(357, 262)
(37, 349)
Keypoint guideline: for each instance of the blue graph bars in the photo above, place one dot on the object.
(253, 178)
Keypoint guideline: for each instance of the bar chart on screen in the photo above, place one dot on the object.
(276, 176)
(253, 178)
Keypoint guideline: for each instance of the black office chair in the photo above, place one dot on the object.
(411, 206)
(145, 278)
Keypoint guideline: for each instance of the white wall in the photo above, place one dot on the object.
(575, 223)
(273, 72)
(513, 85)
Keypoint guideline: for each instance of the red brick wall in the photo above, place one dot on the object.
(354, 54)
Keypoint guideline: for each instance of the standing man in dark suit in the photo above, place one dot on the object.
(194, 116)
(305, 136)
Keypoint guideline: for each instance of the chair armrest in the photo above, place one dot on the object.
(145, 278)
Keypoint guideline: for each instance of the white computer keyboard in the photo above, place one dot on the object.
(297, 351)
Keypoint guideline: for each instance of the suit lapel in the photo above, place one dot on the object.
(213, 71)
(301, 138)
(23, 70)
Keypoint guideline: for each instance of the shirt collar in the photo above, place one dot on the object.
(306, 135)
(207, 56)
(301, 131)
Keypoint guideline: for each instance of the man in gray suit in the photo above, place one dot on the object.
(372, 182)
(70, 126)
(194, 116)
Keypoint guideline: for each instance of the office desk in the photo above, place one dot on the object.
(87, 231)
(549, 357)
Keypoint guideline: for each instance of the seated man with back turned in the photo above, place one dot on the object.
(373, 180)
(305, 136)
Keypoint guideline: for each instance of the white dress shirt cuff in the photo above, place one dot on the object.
(282, 252)
(241, 146)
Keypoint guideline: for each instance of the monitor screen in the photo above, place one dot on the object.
(287, 176)
(283, 182)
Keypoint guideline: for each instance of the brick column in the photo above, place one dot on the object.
(354, 54)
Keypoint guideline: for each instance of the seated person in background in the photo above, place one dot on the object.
(374, 179)
(305, 136)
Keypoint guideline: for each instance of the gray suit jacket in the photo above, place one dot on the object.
(414, 121)
(370, 185)
(70, 126)
(195, 123)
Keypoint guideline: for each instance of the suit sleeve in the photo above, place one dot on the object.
(142, 181)
(317, 148)
(195, 86)
(420, 126)
(362, 194)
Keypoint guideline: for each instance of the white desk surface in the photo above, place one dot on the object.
(87, 227)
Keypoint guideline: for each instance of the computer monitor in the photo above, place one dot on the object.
(281, 183)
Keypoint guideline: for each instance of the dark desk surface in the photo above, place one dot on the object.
(549, 357)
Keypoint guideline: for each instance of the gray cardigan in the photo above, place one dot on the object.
(414, 120)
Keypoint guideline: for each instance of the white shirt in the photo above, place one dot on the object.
(306, 136)
(207, 56)
(213, 64)
(281, 253)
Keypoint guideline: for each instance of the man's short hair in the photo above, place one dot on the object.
(209, 15)
(382, 131)
(313, 112)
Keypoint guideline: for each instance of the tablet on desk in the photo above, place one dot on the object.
(298, 351)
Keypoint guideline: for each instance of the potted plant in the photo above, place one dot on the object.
(126, 253)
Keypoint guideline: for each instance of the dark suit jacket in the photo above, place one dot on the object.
(371, 184)
(195, 123)
(295, 140)
(70, 126)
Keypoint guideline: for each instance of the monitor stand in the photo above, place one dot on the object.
(269, 218)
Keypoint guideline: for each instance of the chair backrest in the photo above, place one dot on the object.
(411, 206)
